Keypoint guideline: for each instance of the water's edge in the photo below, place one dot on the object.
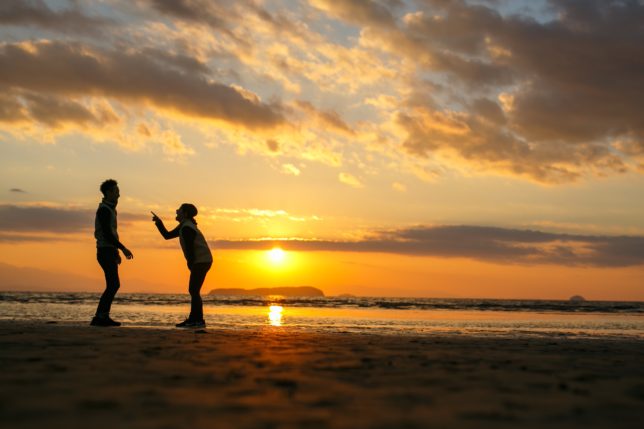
(558, 306)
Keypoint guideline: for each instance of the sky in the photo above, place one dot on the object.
(432, 148)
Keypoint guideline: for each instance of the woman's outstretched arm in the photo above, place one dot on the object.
(162, 229)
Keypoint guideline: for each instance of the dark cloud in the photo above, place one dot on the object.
(11, 108)
(225, 16)
(367, 12)
(53, 111)
(489, 244)
(18, 190)
(43, 219)
(38, 14)
(29, 238)
(170, 82)
(273, 145)
(209, 12)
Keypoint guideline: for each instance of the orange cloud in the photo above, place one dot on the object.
(351, 180)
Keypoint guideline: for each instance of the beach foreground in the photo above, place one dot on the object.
(64, 376)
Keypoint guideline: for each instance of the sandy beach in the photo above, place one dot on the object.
(63, 376)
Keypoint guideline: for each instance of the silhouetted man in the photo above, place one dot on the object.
(107, 251)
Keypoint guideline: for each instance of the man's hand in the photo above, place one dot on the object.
(155, 218)
(127, 253)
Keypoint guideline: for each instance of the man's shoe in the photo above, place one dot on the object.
(104, 321)
(192, 324)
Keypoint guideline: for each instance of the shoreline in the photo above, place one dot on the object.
(60, 375)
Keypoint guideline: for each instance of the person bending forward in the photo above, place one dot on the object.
(198, 256)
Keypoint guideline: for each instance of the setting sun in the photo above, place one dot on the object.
(276, 255)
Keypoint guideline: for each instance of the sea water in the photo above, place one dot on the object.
(395, 316)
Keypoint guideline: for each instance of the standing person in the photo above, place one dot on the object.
(107, 251)
(198, 256)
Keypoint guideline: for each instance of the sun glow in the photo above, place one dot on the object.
(276, 255)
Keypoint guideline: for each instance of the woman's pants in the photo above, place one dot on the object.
(197, 276)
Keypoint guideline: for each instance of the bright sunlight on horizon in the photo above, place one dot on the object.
(276, 256)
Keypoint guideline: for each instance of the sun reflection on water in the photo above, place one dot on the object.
(275, 315)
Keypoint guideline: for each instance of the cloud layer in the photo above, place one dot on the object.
(488, 244)
(548, 100)
(49, 219)
(551, 93)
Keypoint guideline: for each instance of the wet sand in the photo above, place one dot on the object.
(66, 376)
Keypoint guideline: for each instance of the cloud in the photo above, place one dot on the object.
(273, 145)
(481, 144)
(164, 81)
(37, 13)
(173, 146)
(328, 119)
(488, 244)
(11, 109)
(55, 112)
(255, 215)
(351, 180)
(211, 12)
(27, 238)
(399, 187)
(358, 11)
(290, 169)
(18, 191)
(224, 16)
(543, 100)
(49, 219)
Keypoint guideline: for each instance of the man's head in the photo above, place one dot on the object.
(110, 190)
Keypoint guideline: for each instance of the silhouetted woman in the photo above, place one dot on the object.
(197, 254)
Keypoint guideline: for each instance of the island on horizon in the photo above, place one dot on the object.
(307, 291)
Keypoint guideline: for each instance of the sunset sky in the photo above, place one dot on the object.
(394, 148)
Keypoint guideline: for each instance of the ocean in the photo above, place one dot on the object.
(395, 316)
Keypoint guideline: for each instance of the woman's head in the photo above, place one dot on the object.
(186, 211)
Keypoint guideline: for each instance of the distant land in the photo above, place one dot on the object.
(284, 291)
